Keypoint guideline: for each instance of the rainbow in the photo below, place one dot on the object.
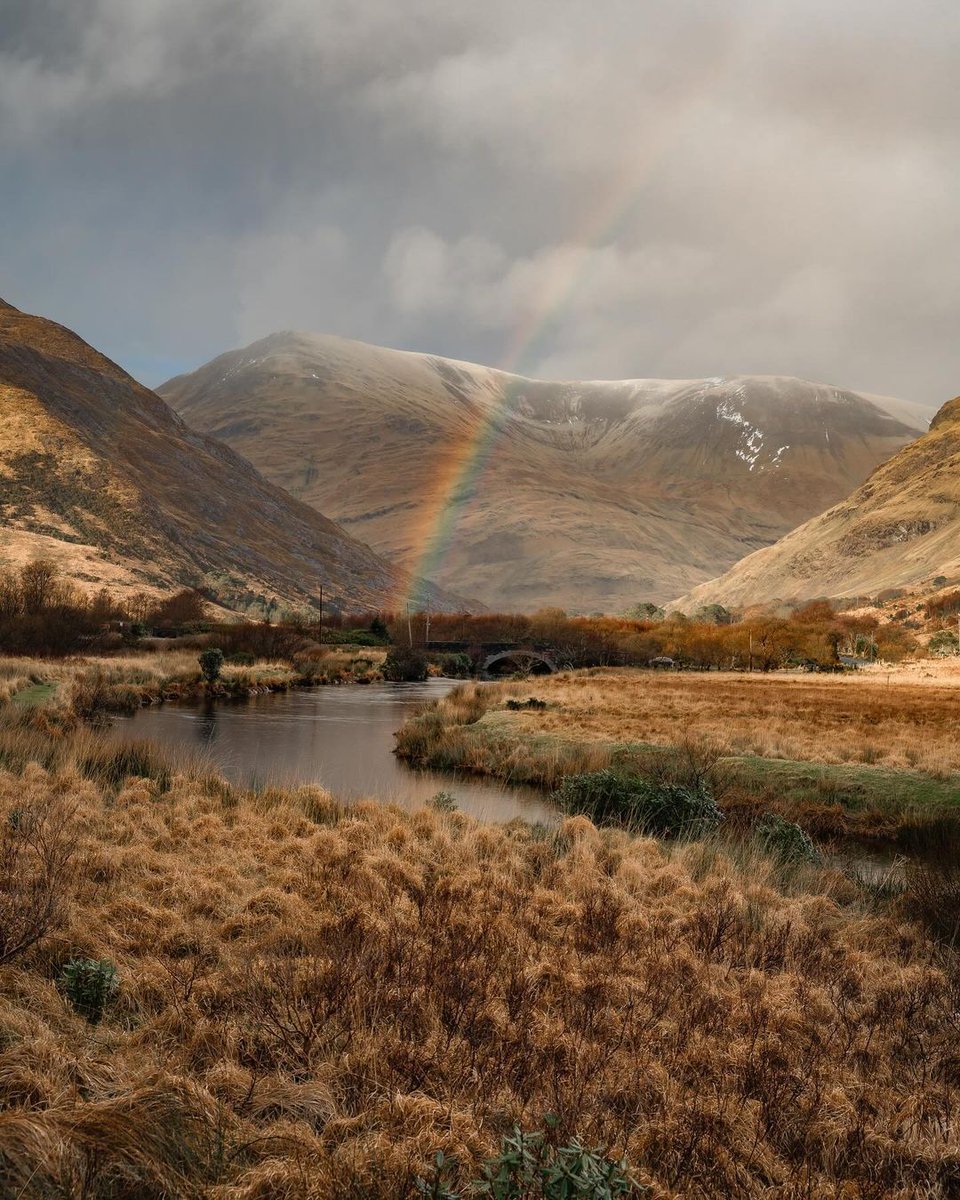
(457, 478)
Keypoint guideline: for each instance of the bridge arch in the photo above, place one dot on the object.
(514, 662)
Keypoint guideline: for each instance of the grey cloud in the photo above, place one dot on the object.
(682, 189)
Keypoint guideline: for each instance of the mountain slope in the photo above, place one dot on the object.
(584, 495)
(900, 528)
(99, 474)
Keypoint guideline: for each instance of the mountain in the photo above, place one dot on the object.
(899, 529)
(100, 475)
(588, 495)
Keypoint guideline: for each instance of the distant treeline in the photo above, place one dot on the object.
(815, 635)
(42, 613)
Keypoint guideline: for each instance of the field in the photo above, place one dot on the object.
(314, 1000)
(902, 721)
(861, 753)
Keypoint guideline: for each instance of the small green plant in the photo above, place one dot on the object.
(532, 1166)
(659, 807)
(211, 664)
(786, 840)
(439, 1185)
(443, 802)
(529, 1167)
(89, 984)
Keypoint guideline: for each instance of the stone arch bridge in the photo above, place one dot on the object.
(507, 658)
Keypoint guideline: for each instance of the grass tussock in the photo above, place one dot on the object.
(313, 1001)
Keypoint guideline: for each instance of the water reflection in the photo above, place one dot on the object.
(338, 737)
(207, 725)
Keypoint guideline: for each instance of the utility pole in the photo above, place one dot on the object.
(426, 639)
(321, 614)
(409, 627)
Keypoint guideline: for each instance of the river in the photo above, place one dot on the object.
(338, 737)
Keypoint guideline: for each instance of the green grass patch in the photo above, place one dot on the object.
(35, 694)
(853, 787)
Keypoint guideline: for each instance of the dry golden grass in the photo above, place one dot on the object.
(17, 674)
(88, 683)
(314, 999)
(889, 718)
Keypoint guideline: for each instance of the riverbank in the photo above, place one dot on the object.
(86, 685)
(305, 999)
(837, 756)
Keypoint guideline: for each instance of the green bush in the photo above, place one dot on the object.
(660, 807)
(786, 840)
(443, 802)
(405, 664)
(211, 663)
(89, 984)
(454, 666)
(353, 637)
(944, 642)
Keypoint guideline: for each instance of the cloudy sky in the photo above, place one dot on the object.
(609, 189)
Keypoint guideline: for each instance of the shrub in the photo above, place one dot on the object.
(405, 664)
(90, 693)
(944, 642)
(454, 666)
(659, 807)
(352, 637)
(211, 663)
(443, 802)
(786, 840)
(89, 984)
(37, 868)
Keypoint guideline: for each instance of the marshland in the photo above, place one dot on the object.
(225, 987)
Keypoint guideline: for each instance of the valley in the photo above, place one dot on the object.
(479, 601)
(523, 494)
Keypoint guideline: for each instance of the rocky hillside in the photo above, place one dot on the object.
(901, 528)
(99, 474)
(591, 496)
